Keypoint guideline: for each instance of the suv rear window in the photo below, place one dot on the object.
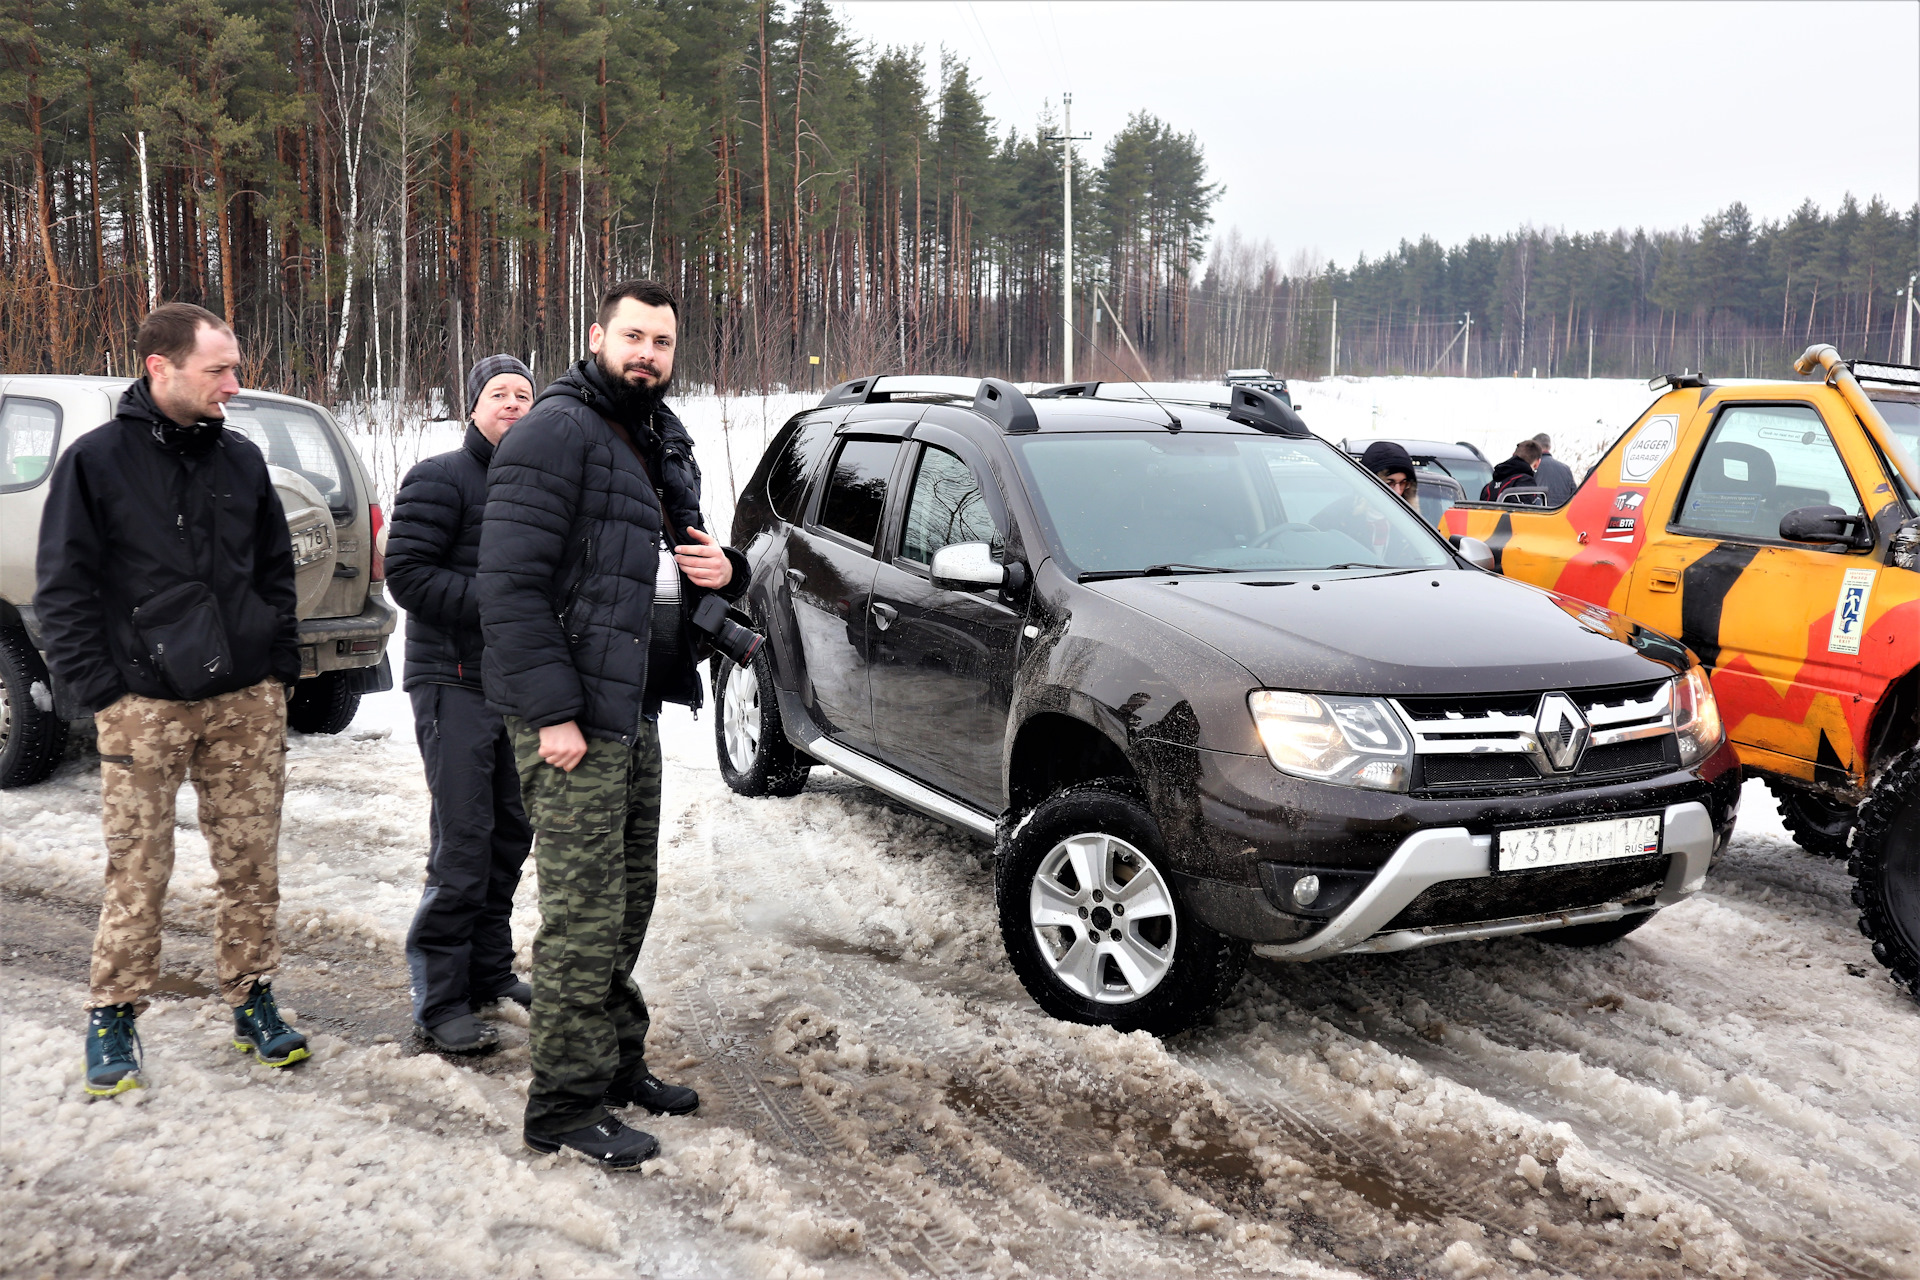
(857, 493)
(798, 458)
(299, 439)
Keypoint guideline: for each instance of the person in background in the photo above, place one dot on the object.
(1517, 470)
(593, 506)
(460, 945)
(1394, 467)
(1555, 476)
(167, 604)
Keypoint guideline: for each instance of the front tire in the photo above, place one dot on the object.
(32, 738)
(1093, 923)
(1886, 870)
(755, 757)
(1818, 823)
(322, 704)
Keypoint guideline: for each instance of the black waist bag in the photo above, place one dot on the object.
(185, 639)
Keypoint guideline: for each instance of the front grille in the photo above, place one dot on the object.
(1527, 893)
(1491, 742)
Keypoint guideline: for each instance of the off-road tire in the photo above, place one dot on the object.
(1886, 870)
(1205, 964)
(322, 704)
(33, 739)
(1598, 934)
(1819, 825)
(775, 767)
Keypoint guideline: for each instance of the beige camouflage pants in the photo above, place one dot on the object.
(234, 747)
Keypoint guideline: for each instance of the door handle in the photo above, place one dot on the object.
(883, 615)
(1663, 580)
(796, 577)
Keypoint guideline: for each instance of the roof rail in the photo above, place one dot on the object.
(1082, 390)
(1677, 381)
(1264, 411)
(998, 401)
(1900, 375)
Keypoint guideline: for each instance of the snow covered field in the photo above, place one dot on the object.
(1729, 1091)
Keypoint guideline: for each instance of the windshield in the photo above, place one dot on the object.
(295, 437)
(1903, 416)
(1126, 502)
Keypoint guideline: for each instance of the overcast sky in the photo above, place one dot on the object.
(1345, 127)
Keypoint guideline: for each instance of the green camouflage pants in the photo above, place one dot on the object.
(234, 747)
(595, 844)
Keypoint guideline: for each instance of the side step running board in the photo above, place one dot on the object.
(902, 788)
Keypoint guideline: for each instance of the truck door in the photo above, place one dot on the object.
(1778, 622)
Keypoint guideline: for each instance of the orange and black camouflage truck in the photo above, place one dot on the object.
(1774, 528)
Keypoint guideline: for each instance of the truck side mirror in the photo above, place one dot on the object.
(966, 566)
(1825, 524)
(1473, 551)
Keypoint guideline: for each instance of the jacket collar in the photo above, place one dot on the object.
(584, 382)
(195, 439)
(477, 444)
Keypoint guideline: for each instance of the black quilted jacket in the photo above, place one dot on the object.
(433, 555)
(568, 554)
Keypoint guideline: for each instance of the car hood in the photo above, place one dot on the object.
(1443, 631)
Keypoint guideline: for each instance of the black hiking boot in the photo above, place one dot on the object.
(113, 1051)
(521, 993)
(656, 1095)
(259, 1030)
(462, 1033)
(609, 1144)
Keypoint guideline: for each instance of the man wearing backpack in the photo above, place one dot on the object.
(166, 602)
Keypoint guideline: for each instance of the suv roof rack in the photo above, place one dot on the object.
(998, 401)
(1081, 390)
(1900, 375)
(1677, 381)
(1264, 411)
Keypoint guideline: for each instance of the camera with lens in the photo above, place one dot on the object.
(738, 643)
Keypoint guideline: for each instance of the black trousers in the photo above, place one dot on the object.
(460, 946)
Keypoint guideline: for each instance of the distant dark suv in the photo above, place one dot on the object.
(1208, 684)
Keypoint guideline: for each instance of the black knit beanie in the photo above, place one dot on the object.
(486, 370)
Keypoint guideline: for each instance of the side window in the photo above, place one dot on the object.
(795, 465)
(1759, 463)
(946, 507)
(29, 435)
(857, 490)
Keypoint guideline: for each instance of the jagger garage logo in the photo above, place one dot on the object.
(1650, 446)
(1850, 612)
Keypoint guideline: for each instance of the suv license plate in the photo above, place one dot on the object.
(310, 544)
(1530, 848)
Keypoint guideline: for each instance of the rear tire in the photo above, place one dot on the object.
(1082, 851)
(31, 738)
(322, 704)
(1819, 824)
(1596, 935)
(1886, 870)
(748, 737)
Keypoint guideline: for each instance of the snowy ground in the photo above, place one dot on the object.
(1729, 1091)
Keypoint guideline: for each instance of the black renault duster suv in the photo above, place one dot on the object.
(1209, 686)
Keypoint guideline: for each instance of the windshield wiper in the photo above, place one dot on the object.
(1103, 575)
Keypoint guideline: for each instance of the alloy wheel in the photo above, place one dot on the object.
(740, 717)
(1103, 917)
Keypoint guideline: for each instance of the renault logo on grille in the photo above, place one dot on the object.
(1562, 731)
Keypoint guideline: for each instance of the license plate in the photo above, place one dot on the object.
(1530, 848)
(310, 544)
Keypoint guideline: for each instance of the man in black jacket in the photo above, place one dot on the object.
(581, 499)
(1515, 472)
(166, 601)
(460, 946)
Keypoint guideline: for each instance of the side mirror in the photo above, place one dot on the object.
(1825, 524)
(1473, 551)
(966, 566)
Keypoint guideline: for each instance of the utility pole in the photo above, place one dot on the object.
(1913, 305)
(1067, 138)
(1466, 350)
(1333, 344)
(1589, 353)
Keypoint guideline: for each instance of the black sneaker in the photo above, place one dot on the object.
(657, 1096)
(259, 1030)
(462, 1033)
(113, 1051)
(609, 1144)
(521, 993)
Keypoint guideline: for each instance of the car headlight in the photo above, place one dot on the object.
(1356, 742)
(1696, 716)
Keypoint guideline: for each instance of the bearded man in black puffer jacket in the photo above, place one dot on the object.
(585, 501)
(460, 946)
